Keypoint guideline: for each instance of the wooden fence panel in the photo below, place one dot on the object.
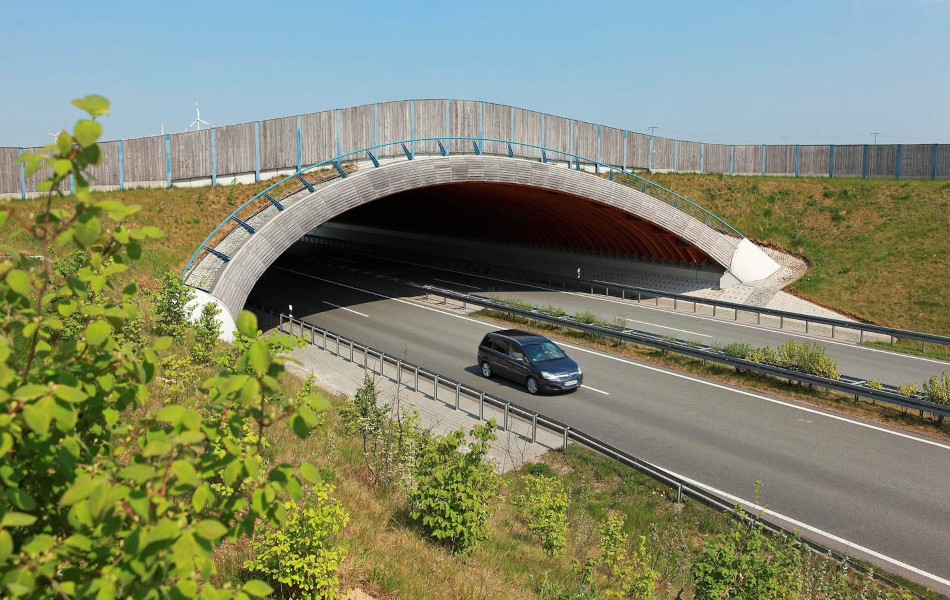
(638, 150)
(943, 160)
(191, 154)
(429, 123)
(234, 147)
(278, 143)
(917, 161)
(687, 157)
(747, 159)
(780, 160)
(585, 140)
(663, 149)
(496, 125)
(716, 158)
(526, 129)
(882, 161)
(317, 137)
(144, 160)
(357, 130)
(463, 122)
(557, 136)
(849, 161)
(611, 146)
(394, 125)
(9, 173)
(813, 160)
(106, 174)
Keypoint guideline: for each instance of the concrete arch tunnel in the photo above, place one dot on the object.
(543, 203)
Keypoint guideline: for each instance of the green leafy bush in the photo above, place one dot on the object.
(542, 503)
(746, 563)
(937, 390)
(807, 357)
(171, 302)
(738, 349)
(554, 311)
(908, 389)
(207, 330)
(874, 384)
(455, 492)
(301, 556)
(93, 504)
(628, 570)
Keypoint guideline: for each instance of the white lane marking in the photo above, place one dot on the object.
(652, 368)
(629, 304)
(665, 327)
(595, 390)
(758, 396)
(473, 287)
(346, 309)
(726, 495)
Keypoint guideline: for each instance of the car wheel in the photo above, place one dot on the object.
(486, 369)
(532, 386)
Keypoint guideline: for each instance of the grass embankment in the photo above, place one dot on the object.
(879, 249)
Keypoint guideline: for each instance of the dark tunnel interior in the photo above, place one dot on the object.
(514, 213)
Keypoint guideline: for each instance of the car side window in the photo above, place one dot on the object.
(499, 345)
(515, 351)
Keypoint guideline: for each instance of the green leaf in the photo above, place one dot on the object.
(247, 323)
(62, 166)
(78, 491)
(185, 472)
(38, 544)
(17, 519)
(202, 496)
(259, 356)
(256, 588)
(93, 104)
(97, 332)
(210, 529)
(87, 230)
(170, 414)
(64, 142)
(310, 473)
(19, 282)
(70, 394)
(87, 132)
(6, 545)
(37, 419)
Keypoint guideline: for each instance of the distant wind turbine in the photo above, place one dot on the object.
(198, 120)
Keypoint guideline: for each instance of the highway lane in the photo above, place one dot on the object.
(859, 361)
(875, 487)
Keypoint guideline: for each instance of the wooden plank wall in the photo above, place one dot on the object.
(317, 137)
(144, 160)
(234, 145)
(716, 158)
(463, 122)
(882, 161)
(394, 125)
(357, 130)
(557, 135)
(191, 154)
(429, 122)
(916, 161)
(813, 160)
(747, 159)
(106, 174)
(278, 143)
(638, 150)
(496, 124)
(662, 154)
(611, 146)
(9, 172)
(687, 157)
(527, 129)
(780, 160)
(943, 160)
(585, 140)
(849, 161)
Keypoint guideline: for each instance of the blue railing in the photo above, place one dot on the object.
(409, 152)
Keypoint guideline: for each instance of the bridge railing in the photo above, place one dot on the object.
(244, 221)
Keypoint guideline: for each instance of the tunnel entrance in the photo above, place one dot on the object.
(541, 230)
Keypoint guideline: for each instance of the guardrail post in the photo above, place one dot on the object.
(832, 330)
(806, 327)
(351, 350)
(564, 445)
(758, 318)
(679, 493)
(312, 334)
(481, 406)
(534, 427)
(382, 364)
(435, 388)
(458, 394)
(862, 337)
(923, 345)
(399, 372)
(324, 339)
(415, 386)
(781, 321)
(507, 406)
(337, 345)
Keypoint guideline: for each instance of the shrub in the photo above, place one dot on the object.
(587, 318)
(807, 357)
(746, 563)
(543, 505)
(541, 469)
(874, 384)
(629, 571)
(171, 302)
(738, 349)
(554, 311)
(908, 389)
(232, 191)
(301, 555)
(937, 390)
(94, 503)
(455, 491)
(207, 330)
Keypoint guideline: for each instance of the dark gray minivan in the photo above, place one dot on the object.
(530, 359)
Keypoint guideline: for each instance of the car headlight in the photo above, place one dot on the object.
(549, 376)
(579, 372)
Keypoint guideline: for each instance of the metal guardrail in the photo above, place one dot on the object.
(630, 292)
(350, 350)
(239, 217)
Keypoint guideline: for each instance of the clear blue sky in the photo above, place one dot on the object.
(743, 72)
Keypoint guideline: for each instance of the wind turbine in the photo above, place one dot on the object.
(198, 120)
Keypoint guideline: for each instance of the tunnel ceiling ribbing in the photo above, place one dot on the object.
(521, 214)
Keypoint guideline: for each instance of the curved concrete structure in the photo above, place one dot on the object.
(238, 276)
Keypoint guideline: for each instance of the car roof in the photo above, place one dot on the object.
(520, 335)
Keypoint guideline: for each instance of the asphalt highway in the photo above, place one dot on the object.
(862, 483)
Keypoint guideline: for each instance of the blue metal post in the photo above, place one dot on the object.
(168, 159)
(933, 164)
(763, 159)
(676, 155)
(22, 178)
(214, 160)
(257, 150)
(797, 159)
(898, 161)
(121, 165)
(624, 149)
(650, 157)
(864, 163)
(732, 159)
(299, 149)
(831, 160)
(702, 158)
(543, 136)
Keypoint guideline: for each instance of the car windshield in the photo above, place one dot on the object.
(543, 351)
